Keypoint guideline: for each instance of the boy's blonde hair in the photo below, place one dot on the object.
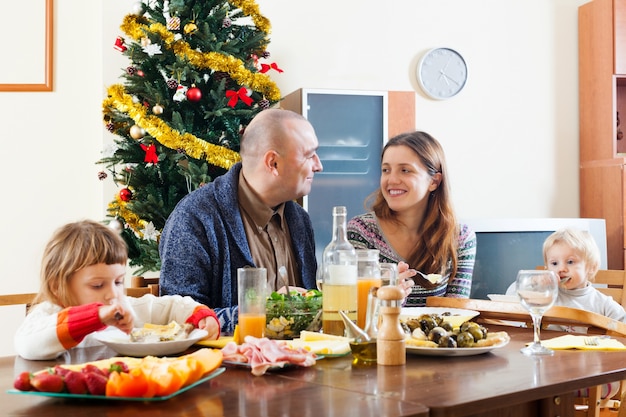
(582, 242)
(71, 248)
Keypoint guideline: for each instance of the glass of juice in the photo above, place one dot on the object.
(368, 276)
(251, 297)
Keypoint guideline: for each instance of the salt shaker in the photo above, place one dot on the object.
(391, 348)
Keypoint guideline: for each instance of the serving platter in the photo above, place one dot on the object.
(120, 342)
(438, 351)
(212, 375)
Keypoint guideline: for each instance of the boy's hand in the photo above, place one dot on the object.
(211, 325)
(117, 316)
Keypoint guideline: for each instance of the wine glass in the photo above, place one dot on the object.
(537, 290)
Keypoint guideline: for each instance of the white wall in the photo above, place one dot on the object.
(511, 136)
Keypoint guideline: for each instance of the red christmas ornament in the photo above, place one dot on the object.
(119, 44)
(126, 194)
(151, 155)
(194, 93)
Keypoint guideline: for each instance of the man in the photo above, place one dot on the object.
(247, 217)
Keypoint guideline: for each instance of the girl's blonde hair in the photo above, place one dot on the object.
(71, 248)
(579, 240)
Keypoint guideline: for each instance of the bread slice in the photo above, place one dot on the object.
(152, 333)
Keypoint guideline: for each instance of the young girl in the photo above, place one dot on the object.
(574, 256)
(82, 292)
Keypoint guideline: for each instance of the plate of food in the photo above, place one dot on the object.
(441, 351)
(151, 340)
(455, 316)
(202, 380)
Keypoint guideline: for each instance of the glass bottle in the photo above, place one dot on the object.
(339, 277)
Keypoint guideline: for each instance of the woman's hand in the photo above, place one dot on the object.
(404, 278)
(211, 325)
(117, 316)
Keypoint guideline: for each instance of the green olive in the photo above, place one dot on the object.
(437, 333)
(447, 342)
(476, 332)
(427, 323)
(464, 340)
(446, 325)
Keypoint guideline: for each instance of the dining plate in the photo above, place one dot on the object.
(212, 375)
(455, 316)
(120, 342)
(437, 351)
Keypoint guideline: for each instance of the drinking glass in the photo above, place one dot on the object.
(537, 290)
(252, 297)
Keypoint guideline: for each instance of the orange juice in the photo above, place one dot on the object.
(363, 287)
(251, 325)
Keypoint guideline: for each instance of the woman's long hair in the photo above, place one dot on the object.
(436, 249)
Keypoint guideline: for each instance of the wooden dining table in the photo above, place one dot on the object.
(501, 382)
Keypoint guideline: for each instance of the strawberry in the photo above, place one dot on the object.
(96, 383)
(75, 382)
(118, 366)
(22, 381)
(61, 371)
(93, 368)
(47, 382)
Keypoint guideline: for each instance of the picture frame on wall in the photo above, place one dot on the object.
(28, 46)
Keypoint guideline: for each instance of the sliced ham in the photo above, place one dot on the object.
(265, 353)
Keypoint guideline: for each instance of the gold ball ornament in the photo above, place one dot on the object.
(190, 28)
(157, 109)
(137, 132)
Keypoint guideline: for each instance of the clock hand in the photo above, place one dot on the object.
(444, 76)
(447, 77)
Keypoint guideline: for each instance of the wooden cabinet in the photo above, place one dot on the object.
(602, 96)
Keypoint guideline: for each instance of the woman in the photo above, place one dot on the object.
(412, 219)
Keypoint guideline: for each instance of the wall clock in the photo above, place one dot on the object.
(442, 73)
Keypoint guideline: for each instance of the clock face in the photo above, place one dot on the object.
(442, 73)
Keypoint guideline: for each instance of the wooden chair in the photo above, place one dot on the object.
(17, 299)
(142, 285)
(503, 313)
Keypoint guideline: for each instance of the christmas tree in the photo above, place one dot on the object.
(198, 74)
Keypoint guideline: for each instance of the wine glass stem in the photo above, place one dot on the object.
(537, 328)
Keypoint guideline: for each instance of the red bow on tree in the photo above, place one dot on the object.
(265, 68)
(151, 155)
(235, 96)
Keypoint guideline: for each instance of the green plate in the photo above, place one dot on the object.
(212, 375)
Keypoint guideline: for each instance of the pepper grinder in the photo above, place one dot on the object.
(391, 348)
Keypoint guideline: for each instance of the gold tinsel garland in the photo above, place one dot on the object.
(118, 208)
(211, 60)
(173, 139)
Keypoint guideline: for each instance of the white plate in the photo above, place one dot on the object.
(120, 342)
(505, 298)
(455, 316)
(437, 351)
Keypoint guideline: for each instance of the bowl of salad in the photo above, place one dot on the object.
(288, 315)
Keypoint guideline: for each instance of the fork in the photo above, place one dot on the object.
(422, 279)
(591, 341)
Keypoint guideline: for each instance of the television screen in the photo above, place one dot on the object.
(499, 255)
(504, 246)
